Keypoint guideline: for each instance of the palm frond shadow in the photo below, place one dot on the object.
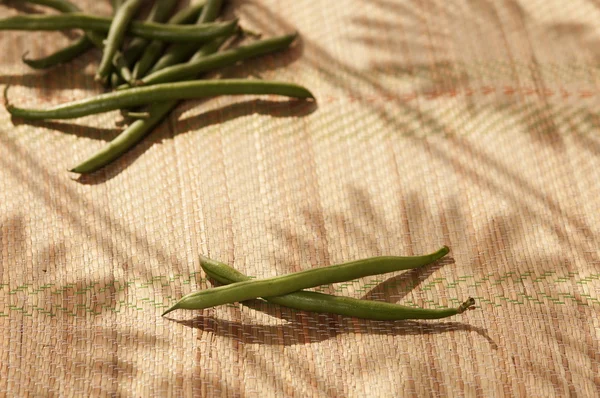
(307, 328)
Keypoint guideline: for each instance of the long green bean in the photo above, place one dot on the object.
(218, 60)
(326, 303)
(156, 47)
(156, 93)
(178, 53)
(280, 285)
(149, 30)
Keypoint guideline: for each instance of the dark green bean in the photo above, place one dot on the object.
(280, 285)
(156, 47)
(61, 56)
(178, 53)
(156, 93)
(326, 303)
(149, 30)
(219, 60)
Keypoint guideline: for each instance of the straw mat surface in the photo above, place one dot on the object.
(472, 124)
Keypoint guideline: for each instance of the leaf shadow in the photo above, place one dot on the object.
(308, 328)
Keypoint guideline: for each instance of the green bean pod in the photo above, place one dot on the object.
(71, 51)
(280, 285)
(148, 30)
(159, 13)
(327, 303)
(178, 53)
(61, 56)
(126, 139)
(155, 48)
(136, 130)
(218, 60)
(125, 99)
(116, 35)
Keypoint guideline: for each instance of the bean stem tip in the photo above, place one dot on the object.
(170, 309)
(7, 103)
(467, 305)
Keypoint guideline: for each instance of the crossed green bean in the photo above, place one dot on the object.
(287, 291)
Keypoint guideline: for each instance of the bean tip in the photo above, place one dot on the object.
(170, 309)
(467, 305)
(24, 56)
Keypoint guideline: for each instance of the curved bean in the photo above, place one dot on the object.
(155, 48)
(326, 303)
(280, 285)
(61, 56)
(148, 30)
(157, 93)
(71, 51)
(224, 58)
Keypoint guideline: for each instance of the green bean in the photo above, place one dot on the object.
(178, 53)
(155, 48)
(156, 93)
(136, 130)
(121, 67)
(71, 51)
(61, 56)
(149, 30)
(159, 13)
(115, 37)
(70, 8)
(326, 303)
(224, 58)
(280, 285)
(127, 139)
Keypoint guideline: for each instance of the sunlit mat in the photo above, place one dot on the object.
(469, 124)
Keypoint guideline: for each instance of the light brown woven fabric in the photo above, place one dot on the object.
(467, 123)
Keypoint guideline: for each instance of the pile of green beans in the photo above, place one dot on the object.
(287, 290)
(149, 76)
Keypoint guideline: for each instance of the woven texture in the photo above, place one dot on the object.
(472, 124)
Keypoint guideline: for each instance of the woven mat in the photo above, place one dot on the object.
(470, 123)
